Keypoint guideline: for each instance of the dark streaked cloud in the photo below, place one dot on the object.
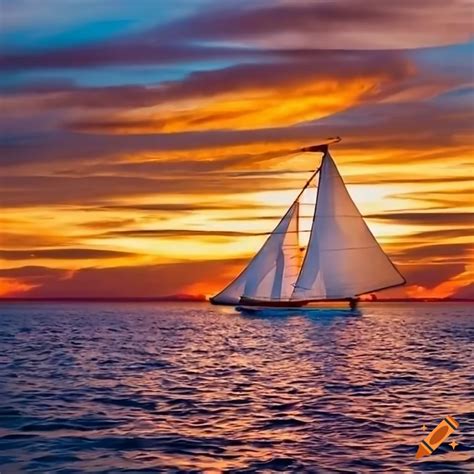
(19, 240)
(107, 224)
(339, 24)
(241, 77)
(32, 271)
(216, 162)
(457, 198)
(295, 26)
(34, 274)
(434, 235)
(394, 125)
(61, 254)
(403, 179)
(170, 207)
(29, 191)
(455, 252)
(41, 190)
(182, 233)
(183, 207)
(426, 218)
(411, 217)
(120, 52)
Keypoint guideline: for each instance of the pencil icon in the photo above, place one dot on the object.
(436, 437)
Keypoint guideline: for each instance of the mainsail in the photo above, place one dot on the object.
(342, 259)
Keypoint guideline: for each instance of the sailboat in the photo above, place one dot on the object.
(341, 261)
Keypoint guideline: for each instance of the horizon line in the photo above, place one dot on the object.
(198, 299)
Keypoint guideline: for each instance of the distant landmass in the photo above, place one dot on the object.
(185, 298)
(167, 298)
(418, 300)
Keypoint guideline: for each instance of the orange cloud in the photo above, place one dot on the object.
(10, 287)
(257, 108)
(445, 289)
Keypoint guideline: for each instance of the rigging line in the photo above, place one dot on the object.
(307, 184)
(385, 287)
(298, 225)
(256, 234)
(348, 248)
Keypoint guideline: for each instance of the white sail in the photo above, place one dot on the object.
(343, 259)
(280, 265)
(273, 271)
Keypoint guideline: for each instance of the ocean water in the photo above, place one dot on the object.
(145, 387)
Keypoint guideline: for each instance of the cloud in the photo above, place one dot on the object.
(464, 292)
(369, 128)
(68, 147)
(242, 96)
(182, 233)
(426, 218)
(41, 190)
(31, 191)
(204, 162)
(182, 207)
(339, 24)
(454, 252)
(290, 28)
(33, 271)
(138, 281)
(459, 283)
(457, 198)
(441, 234)
(18, 281)
(430, 275)
(130, 50)
(158, 280)
(10, 287)
(107, 224)
(23, 239)
(236, 78)
(61, 254)
(398, 179)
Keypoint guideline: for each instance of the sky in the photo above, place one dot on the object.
(147, 147)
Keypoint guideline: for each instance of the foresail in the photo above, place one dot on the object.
(287, 264)
(343, 259)
(273, 270)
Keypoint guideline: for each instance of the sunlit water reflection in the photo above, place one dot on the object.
(189, 387)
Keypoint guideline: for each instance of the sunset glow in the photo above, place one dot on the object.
(151, 158)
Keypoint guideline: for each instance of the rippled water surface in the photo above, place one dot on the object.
(89, 387)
